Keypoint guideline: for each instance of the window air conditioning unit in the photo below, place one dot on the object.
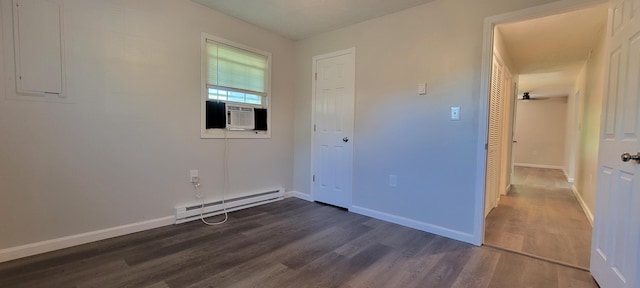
(240, 117)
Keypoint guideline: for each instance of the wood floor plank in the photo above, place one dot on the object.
(539, 274)
(309, 275)
(377, 273)
(542, 217)
(378, 234)
(315, 249)
(413, 269)
(267, 240)
(345, 270)
(252, 273)
(478, 270)
(158, 285)
(508, 272)
(573, 278)
(207, 236)
(290, 243)
(160, 268)
(99, 250)
(447, 270)
(56, 277)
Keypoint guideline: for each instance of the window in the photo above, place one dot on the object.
(234, 75)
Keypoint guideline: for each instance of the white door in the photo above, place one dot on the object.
(615, 255)
(333, 106)
(492, 191)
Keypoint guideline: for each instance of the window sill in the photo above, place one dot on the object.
(230, 134)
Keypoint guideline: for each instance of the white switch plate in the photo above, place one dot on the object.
(393, 180)
(422, 88)
(455, 113)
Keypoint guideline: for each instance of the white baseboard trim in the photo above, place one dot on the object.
(17, 252)
(449, 233)
(586, 210)
(566, 176)
(539, 166)
(506, 190)
(298, 195)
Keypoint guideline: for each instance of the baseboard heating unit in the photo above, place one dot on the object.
(192, 212)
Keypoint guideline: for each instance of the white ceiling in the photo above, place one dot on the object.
(299, 19)
(549, 52)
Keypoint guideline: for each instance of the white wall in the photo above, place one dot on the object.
(122, 151)
(398, 131)
(540, 132)
(592, 87)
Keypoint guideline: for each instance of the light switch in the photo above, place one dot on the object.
(455, 113)
(393, 180)
(422, 88)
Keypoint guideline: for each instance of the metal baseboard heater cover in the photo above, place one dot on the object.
(192, 212)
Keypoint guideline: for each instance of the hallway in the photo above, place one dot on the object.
(541, 216)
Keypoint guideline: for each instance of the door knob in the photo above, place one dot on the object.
(626, 157)
(345, 139)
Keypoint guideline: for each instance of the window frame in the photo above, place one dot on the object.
(204, 93)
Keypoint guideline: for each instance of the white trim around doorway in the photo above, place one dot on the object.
(487, 53)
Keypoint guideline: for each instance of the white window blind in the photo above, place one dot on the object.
(235, 74)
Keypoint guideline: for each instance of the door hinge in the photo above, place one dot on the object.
(314, 178)
(486, 146)
(316, 76)
(314, 127)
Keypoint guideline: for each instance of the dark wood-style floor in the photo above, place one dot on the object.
(290, 243)
(542, 217)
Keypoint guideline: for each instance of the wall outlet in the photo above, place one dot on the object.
(193, 176)
(393, 180)
(455, 113)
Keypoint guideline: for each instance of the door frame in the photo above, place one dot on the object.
(507, 134)
(315, 59)
(485, 77)
(574, 134)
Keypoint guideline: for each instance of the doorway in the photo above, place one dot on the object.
(542, 211)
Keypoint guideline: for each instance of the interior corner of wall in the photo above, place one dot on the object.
(299, 195)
